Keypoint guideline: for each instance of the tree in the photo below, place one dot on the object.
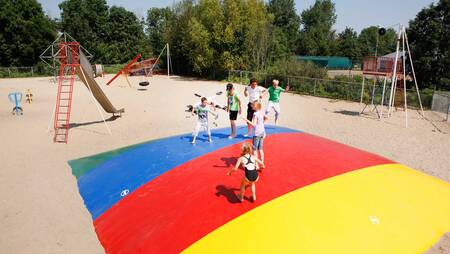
(287, 20)
(257, 34)
(86, 21)
(317, 36)
(112, 35)
(430, 45)
(157, 27)
(211, 15)
(233, 35)
(197, 46)
(25, 32)
(124, 38)
(347, 44)
(368, 41)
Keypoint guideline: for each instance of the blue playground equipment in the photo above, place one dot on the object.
(16, 98)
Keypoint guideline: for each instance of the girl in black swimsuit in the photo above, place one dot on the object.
(248, 161)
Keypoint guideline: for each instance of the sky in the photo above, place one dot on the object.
(357, 14)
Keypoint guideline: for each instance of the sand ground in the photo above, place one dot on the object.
(41, 210)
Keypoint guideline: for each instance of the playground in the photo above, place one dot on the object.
(62, 201)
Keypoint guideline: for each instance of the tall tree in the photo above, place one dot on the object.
(211, 15)
(347, 44)
(317, 36)
(372, 43)
(233, 35)
(86, 21)
(197, 45)
(124, 37)
(112, 35)
(157, 27)
(25, 32)
(257, 43)
(430, 40)
(287, 20)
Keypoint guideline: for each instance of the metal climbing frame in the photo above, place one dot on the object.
(69, 58)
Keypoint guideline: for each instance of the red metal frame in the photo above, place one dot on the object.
(125, 68)
(69, 58)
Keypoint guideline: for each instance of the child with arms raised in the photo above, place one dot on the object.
(259, 131)
(202, 111)
(248, 161)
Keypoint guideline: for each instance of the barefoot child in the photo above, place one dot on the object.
(274, 99)
(254, 93)
(202, 111)
(258, 124)
(248, 161)
(233, 107)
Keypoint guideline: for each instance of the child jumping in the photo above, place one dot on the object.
(274, 99)
(260, 133)
(233, 108)
(202, 111)
(248, 162)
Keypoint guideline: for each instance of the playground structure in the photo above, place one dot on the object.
(16, 98)
(143, 68)
(67, 54)
(29, 96)
(393, 67)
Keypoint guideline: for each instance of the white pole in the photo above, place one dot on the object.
(157, 59)
(362, 90)
(414, 74)
(51, 119)
(394, 79)
(382, 97)
(95, 102)
(404, 77)
(54, 109)
(168, 60)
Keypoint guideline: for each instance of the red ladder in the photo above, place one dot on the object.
(69, 57)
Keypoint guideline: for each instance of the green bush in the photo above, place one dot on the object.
(113, 69)
(293, 67)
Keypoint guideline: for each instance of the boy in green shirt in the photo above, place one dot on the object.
(274, 99)
(233, 107)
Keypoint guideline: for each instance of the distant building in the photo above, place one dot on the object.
(329, 62)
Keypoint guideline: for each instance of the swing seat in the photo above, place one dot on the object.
(144, 83)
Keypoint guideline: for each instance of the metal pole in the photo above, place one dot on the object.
(240, 77)
(382, 97)
(404, 76)
(168, 60)
(414, 74)
(96, 104)
(9, 72)
(448, 111)
(362, 90)
(394, 79)
(315, 84)
(32, 73)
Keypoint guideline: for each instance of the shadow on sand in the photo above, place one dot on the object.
(75, 125)
(347, 113)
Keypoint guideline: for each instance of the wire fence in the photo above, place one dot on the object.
(23, 72)
(336, 89)
(441, 104)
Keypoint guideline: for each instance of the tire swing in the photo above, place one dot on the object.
(144, 83)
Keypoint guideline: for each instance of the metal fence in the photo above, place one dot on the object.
(334, 89)
(302, 85)
(441, 104)
(19, 72)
